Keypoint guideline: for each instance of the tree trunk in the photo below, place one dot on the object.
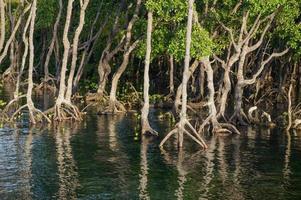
(239, 88)
(191, 70)
(171, 76)
(2, 24)
(104, 70)
(88, 51)
(74, 49)
(12, 36)
(201, 80)
(31, 62)
(211, 102)
(113, 100)
(145, 109)
(52, 43)
(24, 57)
(183, 117)
(225, 91)
(66, 43)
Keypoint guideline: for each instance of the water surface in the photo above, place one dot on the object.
(102, 158)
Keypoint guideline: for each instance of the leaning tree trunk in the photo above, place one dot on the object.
(75, 50)
(24, 57)
(146, 128)
(3, 54)
(89, 49)
(181, 126)
(114, 104)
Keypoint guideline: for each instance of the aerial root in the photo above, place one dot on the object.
(66, 111)
(195, 136)
(230, 127)
(218, 127)
(12, 102)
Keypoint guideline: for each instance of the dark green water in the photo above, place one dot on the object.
(101, 158)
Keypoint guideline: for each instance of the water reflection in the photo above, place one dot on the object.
(67, 170)
(100, 159)
(143, 193)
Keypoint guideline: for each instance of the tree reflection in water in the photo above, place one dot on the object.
(67, 170)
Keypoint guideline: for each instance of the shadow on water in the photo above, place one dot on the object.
(101, 158)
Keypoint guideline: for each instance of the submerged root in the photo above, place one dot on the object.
(181, 129)
(35, 114)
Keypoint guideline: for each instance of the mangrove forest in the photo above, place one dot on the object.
(150, 99)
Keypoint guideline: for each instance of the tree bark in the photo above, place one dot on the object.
(171, 76)
(12, 36)
(211, 102)
(183, 117)
(113, 100)
(75, 50)
(24, 57)
(66, 43)
(52, 43)
(2, 24)
(31, 62)
(191, 70)
(146, 128)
